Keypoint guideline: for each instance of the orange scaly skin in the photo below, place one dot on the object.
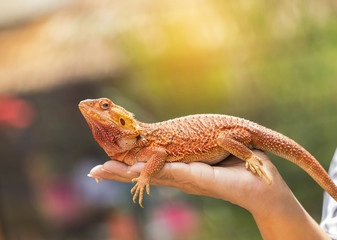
(207, 138)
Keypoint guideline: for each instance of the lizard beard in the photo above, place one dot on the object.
(106, 134)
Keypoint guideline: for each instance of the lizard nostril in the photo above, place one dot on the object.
(86, 103)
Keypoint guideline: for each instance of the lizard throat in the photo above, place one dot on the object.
(106, 134)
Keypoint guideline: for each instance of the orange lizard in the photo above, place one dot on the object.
(208, 138)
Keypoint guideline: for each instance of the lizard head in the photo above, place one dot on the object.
(109, 121)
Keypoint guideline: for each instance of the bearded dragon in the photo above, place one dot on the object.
(208, 138)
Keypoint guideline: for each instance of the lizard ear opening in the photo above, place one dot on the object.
(122, 121)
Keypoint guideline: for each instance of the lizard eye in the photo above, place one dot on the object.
(105, 105)
(122, 121)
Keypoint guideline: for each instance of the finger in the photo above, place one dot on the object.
(186, 177)
(230, 161)
(171, 175)
(99, 172)
(96, 171)
(115, 170)
(172, 172)
(121, 169)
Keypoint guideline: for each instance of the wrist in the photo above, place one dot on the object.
(287, 219)
(258, 197)
(275, 200)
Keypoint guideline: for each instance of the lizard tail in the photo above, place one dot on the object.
(287, 148)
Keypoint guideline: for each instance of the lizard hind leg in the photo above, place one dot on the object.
(253, 164)
(235, 142)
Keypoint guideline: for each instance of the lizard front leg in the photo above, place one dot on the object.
(156, 160)
(235, 142)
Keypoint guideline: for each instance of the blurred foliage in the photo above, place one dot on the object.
(204, 55)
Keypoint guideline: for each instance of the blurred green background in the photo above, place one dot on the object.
(272, 62)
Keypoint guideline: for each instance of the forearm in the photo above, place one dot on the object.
(288, 220)
(277, 212)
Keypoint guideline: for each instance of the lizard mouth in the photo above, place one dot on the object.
(86, 114)
(91, 115)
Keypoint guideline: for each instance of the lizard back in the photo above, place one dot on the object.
(194, 138)
(194, 134)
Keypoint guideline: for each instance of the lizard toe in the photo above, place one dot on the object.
(138, 189)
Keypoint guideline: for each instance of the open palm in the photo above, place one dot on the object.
(229, 180)
(275, 209)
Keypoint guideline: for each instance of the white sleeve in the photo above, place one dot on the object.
(329, 212)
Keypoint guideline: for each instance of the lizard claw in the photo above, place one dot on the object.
(138, 189)
(253, 163)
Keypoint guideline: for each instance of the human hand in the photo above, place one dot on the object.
(275, 209)
(229, 180)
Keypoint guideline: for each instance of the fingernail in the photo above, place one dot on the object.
(91, 176)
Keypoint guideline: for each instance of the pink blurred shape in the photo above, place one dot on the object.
(16, 112)
(179, 218)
